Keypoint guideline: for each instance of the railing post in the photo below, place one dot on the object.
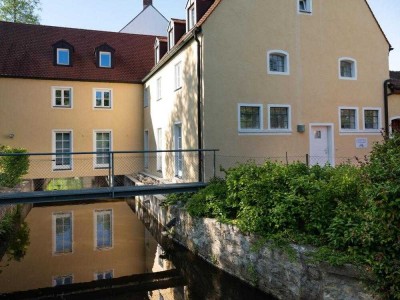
(307, 160)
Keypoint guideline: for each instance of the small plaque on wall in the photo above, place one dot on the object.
(361, 143)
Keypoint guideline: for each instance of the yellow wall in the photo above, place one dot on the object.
(27, 112)
(40, 265)
(237, 37)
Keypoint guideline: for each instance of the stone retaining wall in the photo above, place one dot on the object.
(268, 268)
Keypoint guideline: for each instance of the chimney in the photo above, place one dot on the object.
(147, 3)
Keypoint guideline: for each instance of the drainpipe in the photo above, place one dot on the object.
(199, 112)
(386, 95)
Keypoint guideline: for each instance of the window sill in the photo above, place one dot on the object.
(347, 78)
(266, 132)
(305, 12)
(178, 88)
(62, 107)
(62, 169)
(102, 107)
(278, 73)
(359, 132)
(101, 167)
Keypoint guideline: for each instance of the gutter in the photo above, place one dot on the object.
(197, 31)
(386, 94)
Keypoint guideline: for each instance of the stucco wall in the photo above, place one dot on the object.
(176, 106)
(27, 112)
(237, 37)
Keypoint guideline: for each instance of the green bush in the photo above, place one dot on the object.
(12, 168)
(352, 213)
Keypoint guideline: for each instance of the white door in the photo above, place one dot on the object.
(320, 152)
(178, 146)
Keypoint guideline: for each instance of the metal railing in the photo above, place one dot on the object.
(83, 170)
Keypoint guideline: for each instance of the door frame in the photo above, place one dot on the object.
(331, 141)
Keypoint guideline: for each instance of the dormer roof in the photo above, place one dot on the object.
(27, 52)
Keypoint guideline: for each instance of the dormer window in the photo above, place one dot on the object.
(63, 57)
(157, 53)
(191, 16)
(160, 48)
(105, 56)
(62, 53)
(105, 59)
(171, 38)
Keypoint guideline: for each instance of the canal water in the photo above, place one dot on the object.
(107, 250)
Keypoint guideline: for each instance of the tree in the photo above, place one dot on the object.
(20, 11)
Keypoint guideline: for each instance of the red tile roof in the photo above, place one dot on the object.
(26, 51)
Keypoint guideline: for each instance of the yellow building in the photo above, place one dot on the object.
(269, 79)
(285, 80)
(72, 90)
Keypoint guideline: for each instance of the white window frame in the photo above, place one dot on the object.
(171, 36)
(261, 116)
(63, 277)
(286, 62)
(58, 56)
(146, 96)
(356, 120)
(159, 88)
(146, 148)
(103, 90)
(100, 62)
(309, 7)
(191, 22)
(96, 212)
(353, 66)
(159, 147)
(157, 54)
(53, 97)
(56, 167)
(289, 109)
(103, 273)
(54, 229)
(379, 119)
(178, 76)
(95, 164)
(178, 156)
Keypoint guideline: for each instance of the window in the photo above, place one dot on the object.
(157, 54)
(102, 98)
(102, 144)
(63, 57)
(250, 117)
(347, 68)
(171, 40)
(105, 56)
(348, 118)
(278, 62)
(159, 88)
(177, 148)
(146, 148)
(104, 239)
(178, 83)
(372, 118)
(305, 6)
(159, 147)
(62, 144)
(62, 97)
(191, 16)
(279, 117)
(105, 59)
(62, 230)
(62, 53)
(146, 97)
(104, 275)
(63, 280)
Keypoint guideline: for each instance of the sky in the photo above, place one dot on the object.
(113, 15)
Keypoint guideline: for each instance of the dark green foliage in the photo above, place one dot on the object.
(15, 234)
(12, 168)
(352, 213)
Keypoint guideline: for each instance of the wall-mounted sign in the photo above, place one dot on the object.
(361, 143)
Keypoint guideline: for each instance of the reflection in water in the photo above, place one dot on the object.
(103, 251)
